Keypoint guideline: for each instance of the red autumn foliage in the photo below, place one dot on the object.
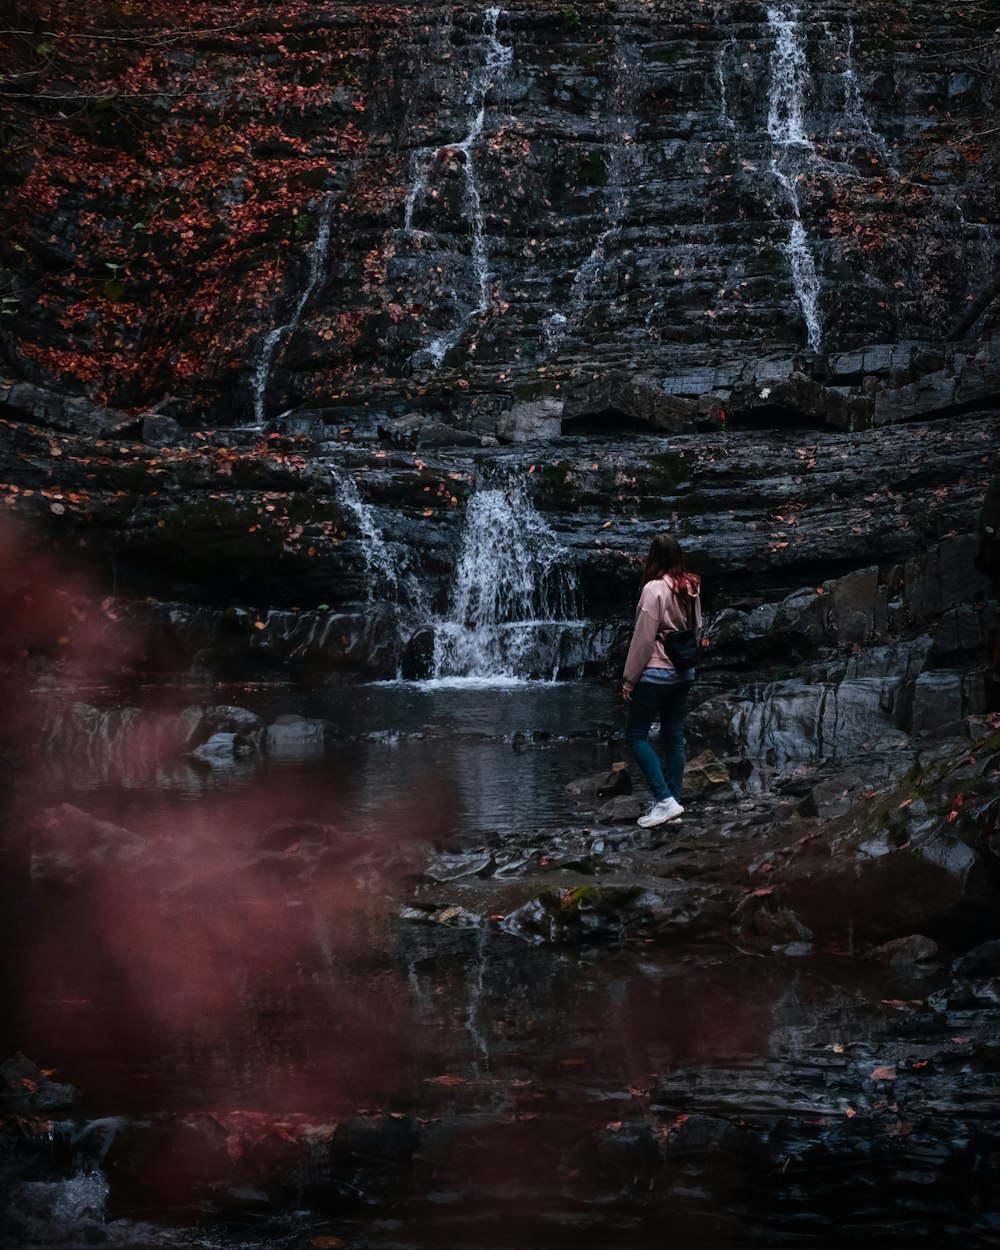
(167, 163)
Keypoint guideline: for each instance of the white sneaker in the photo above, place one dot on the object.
(660, 813)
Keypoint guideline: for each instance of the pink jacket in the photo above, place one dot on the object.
(660, 607)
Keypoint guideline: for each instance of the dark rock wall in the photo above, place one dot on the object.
(379, 247)
(164, 196)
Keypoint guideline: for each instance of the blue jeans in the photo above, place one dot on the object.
(663, 701)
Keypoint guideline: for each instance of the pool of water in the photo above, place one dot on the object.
(212, 1007)
(463, 755)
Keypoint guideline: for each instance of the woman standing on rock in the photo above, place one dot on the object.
(659, 672)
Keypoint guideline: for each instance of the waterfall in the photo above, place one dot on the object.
(724, 52)
(496, 63)
(789, 79)
(381, 564)
(314, 274)
(387, 564)
(421, 164)
(786, 127)
(514, 594)
(854, 105)
(622, 124)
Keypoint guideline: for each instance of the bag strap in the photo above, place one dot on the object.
(663, 631)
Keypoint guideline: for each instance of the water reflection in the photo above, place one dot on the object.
(232, 985)
(480, 760)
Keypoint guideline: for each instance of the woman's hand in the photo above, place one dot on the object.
(626, 694)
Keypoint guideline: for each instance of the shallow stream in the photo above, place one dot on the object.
(220, 1021)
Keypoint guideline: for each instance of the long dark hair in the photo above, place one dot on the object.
(665, 558)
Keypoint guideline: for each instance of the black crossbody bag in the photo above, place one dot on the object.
(681, 645)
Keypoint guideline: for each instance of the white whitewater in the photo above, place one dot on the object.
(622, 126)
(381, 564)
(513, 597)
(387, 564)
(496, 63)
(793, 149)
(314, 274)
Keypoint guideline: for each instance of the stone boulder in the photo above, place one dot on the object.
(234, 720)
(705, 773)
(67, 845)
(161, 431)
(615, 401)
(221, 749)
(796, 399)
(603, 785)
(24, 401)
(437, 434)
(25, 1087)
(537, 421)
(297, 737)
(600, 913)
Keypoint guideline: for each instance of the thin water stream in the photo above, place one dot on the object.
(620, 161)
(275, 337)
(786, 125)
(474, 301)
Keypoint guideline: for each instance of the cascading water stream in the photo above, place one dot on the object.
(513, 598)
(721, 57)
(497, 61)
(854, 105)
(390, 577)
(786, 127)
(622, 125)
(381, 564)
(314, 274)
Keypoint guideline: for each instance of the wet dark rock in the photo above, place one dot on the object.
(159, 430)
(26, 1089)
(233, 720)
(435, 434)
(418, 657)
(52, 409)
(223, 747)
(988, 534)
(618, 402)
(179, 1161)
(531, 421)
(68, 846)
(371, 1146)
(296, 735)
(57, 1212)
(622, 810)
(833, 796)
(606, 913)
(795, 399)
(285, 835)
(403, 431)
(983, 960)
(704, 774)
(603, 785)
(904, 952)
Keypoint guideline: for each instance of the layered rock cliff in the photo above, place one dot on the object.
(289, 287)
(660, 185)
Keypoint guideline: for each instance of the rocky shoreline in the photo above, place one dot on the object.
(879, 898)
